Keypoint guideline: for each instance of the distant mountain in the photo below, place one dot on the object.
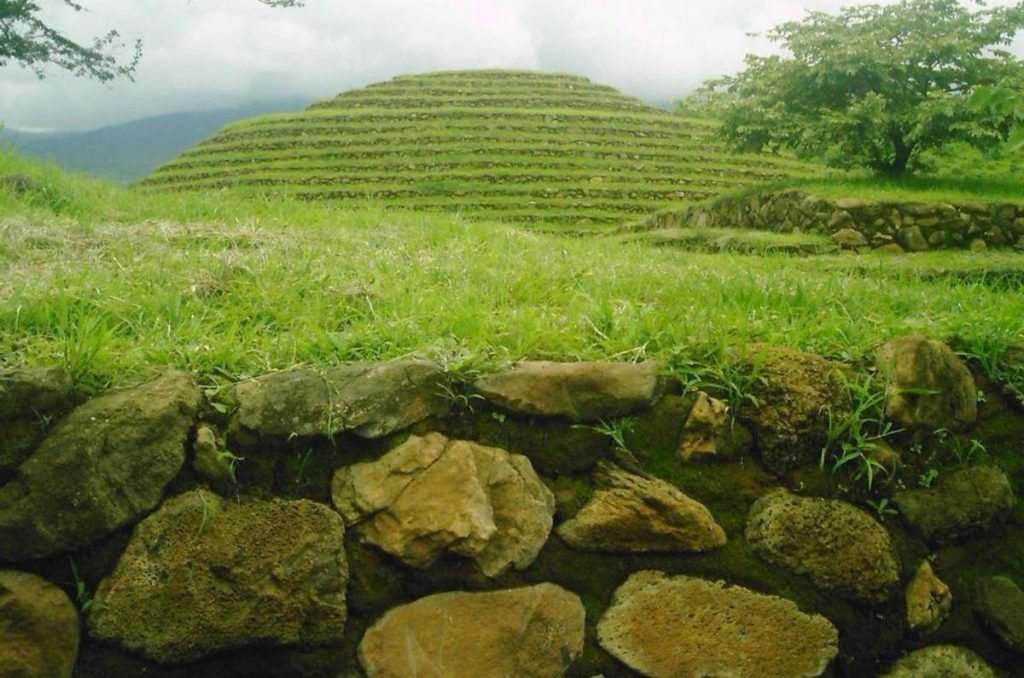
(132, 150)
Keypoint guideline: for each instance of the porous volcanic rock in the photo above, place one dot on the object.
(101, 468)
(794, 393)
(960, 504)
(204, 574)
(532, 632)
(929, 600)
(583, 391)
(676, 627)
(999, 603)
(929, 387)
(840, 547)
(38, 628)
(432, 495)
(941, 661)
(371, 400)
(632, 514)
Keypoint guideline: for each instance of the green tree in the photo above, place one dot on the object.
(28, 41)
(1003, 102)
(874, 85)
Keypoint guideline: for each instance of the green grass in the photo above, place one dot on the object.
(517, 146)
(115, 284)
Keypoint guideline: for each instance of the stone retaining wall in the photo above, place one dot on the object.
(859, 224)
(551, 519)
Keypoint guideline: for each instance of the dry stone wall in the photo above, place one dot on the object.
(860, 224)
(551, 519)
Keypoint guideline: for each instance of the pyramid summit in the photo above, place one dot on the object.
(520, 146)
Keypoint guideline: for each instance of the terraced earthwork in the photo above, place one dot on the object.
(519, 146)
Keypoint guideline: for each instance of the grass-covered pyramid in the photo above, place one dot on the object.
(514, 145)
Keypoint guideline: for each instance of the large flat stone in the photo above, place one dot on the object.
(370, 400)
(583, 391)
(529, 632)
(673, 627)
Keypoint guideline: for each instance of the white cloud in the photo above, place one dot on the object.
(206, 53)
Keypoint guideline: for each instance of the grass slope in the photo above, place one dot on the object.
(518, 146)
(114, 284)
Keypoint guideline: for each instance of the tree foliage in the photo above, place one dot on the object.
(27, 40)
(873, 85)
(1006, 103)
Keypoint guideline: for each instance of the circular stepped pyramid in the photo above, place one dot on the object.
(519, 146)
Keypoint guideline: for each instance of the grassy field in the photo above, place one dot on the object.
(115, 284)
(516, 146)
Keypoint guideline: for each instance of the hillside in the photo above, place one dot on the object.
(129, 151)
(514, 145)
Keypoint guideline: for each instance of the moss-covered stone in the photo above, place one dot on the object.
(204, 574)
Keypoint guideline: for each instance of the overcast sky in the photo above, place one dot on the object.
(200, 54)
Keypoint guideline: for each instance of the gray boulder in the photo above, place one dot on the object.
(959, 505)
(101, 468)
(999, 603)
(29, 398)
(204, 574)
(370, 400)
(584, 391)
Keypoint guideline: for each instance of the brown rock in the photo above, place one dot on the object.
(432, 495)
(211, 461)
(890, 248)
(941, 661)
(849, 238)
(584, 391)
(101, 468)
(370, 400)
(929, 600)
(794, 393)
(531, 632)
(678, 627)
(929, 387)
(704, 426)
(632, 514)
(38, 628)
(840, 547)
(204, 574)
(912, 239)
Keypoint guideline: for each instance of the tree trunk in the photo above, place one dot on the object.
(901, 157)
